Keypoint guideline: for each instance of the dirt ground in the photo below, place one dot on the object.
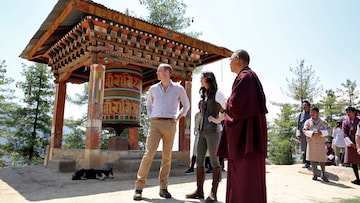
(284, 184)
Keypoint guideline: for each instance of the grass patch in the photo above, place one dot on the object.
(355, 200)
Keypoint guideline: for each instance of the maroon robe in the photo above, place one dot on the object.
(244, 140)
(349, 130)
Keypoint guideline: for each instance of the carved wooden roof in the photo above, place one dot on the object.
(76, 28)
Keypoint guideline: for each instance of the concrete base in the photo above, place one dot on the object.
(63, 165)
(106, 159)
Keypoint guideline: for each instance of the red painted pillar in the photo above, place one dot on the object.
(187, 133)
(133, 138)
(94, 121)
(185, 123)
(58, 116)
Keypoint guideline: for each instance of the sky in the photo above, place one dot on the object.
(276, 34)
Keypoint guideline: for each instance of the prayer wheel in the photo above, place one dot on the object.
(122, 98)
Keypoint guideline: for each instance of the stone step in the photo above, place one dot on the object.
(62, 165)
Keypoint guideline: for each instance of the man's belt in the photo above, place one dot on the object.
(161, 118)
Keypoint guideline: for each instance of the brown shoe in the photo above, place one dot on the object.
(165, 193)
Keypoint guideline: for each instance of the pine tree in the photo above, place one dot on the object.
(349, 93)
(74, 138)
(332, 107)
(169, 14)
(6, 105)
(6, 95)
(305, 84)
(31, 123)
(281, 133)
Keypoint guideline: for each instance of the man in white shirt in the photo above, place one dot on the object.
(162, 108)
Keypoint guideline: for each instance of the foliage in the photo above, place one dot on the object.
(169, 14)
(331, 107)
(144, 122)
(6, 104)
(305, 84)
(354, 200)
(280, 134)
(349, 93)
(76, 136)
(30, 125)
(75, 139)
(80, 99)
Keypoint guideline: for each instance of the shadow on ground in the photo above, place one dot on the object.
(33, 182)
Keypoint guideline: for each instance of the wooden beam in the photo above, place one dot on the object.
(51, 30)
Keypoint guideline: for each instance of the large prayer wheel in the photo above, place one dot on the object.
(122, 98)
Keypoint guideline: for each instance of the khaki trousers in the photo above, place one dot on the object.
(159, 129)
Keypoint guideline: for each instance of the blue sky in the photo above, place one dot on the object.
(276, 34)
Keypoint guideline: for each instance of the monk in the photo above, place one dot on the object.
(244, 138)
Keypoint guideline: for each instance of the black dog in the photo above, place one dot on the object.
(84, 174)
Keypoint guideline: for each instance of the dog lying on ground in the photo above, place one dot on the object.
(84, 174)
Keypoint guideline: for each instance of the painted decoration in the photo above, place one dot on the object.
(122, 94)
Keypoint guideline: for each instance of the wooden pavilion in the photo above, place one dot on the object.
(83, 41)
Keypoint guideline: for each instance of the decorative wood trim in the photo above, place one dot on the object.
(51, 30)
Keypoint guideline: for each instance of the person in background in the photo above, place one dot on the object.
(329, 152)
(163, 109)
(303, 116)
(338, 143)
(208, 163)
(213, 103)
(350, 129)
(357, 144)
(315, 129)
(244, 139)
(196, 135)
(208, 167)
(221, 159)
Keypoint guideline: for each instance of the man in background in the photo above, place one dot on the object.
(303, 116)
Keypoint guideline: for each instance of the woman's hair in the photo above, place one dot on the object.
(338, 124)
(211, 81)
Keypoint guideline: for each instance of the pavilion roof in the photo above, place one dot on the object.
(68, 13)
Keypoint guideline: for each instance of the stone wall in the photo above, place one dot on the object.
(110, 158)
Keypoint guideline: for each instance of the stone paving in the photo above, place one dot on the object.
(284, 184)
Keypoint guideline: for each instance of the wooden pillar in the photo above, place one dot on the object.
(185, 123)
(133, 138)
(94, 121)
(58, 117)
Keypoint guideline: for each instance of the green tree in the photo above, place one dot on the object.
(169, 14)
(6, 104)
(349, 93)
(6, 95)
(75, 135)
(75, 139)
(305, 84)
(144, 122)
(30, 124)
(331, 107)
(281, 132)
